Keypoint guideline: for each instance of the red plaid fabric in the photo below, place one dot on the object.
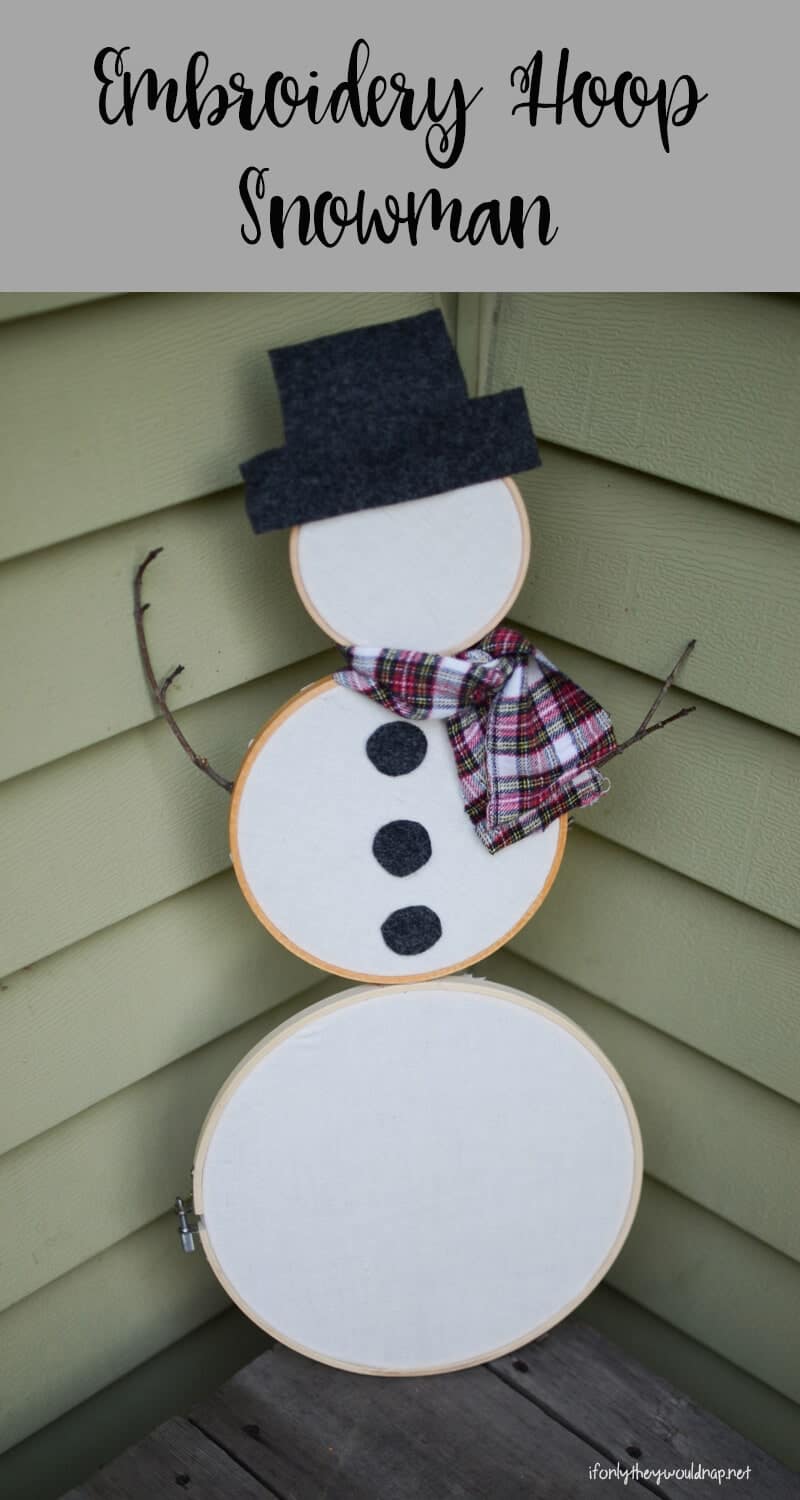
(527, 741)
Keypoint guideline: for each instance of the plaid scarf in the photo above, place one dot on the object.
(527, 741)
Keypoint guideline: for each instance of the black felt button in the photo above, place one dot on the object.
(396, 749)
(411, 929)
(402, 847)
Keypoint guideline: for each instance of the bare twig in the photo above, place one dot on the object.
(158, 689)
(646, 727)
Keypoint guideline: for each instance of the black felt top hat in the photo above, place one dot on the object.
(378, 415)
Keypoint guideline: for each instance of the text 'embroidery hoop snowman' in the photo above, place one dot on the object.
(348, 832)
(409, 1180)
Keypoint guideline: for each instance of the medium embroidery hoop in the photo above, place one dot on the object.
(291, 707)
(443, 649)
(344, 1000)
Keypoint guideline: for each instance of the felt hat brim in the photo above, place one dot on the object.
(489, 437)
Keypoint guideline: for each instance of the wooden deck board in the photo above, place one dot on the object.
(527, 1427)
(583, 1380)
(174, 1460)
(311, 1431)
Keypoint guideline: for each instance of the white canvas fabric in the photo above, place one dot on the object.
(307, 807)
(432, 574)
(411, 1179)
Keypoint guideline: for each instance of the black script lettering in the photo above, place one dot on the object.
(439, 211)
(278, 218)
(209, 108)
(115, 55)
(153, 90)
(682, 114)
(326, 218)
(195, 105)
(675, 106)
(443, 142)
(346, 95)
(626, 84)
(438, 112)
(374, 224)
(517, 220)
(252, 181)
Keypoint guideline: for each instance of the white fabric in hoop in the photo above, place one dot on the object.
(412, 1179)
(306, 809)
(431, 574)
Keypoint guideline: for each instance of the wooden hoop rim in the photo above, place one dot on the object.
(353, 997)
(448, 650)
(273, 724)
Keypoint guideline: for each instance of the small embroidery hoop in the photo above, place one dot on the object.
(444, 649)
(291, 707)
(361, 994)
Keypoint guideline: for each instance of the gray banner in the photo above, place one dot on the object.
(598, 145)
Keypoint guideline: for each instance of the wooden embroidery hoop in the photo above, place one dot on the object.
(291, 707)
(444, 650)
(357, 995)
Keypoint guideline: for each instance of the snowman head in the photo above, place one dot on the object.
(407, 530)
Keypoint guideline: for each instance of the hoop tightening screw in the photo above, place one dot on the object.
(186, 1229)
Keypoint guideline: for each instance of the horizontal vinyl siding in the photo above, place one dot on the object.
(98, 1322)
(25, 304)
(700, 966)
(714, 798)
(110, 1170)
(135, 974)
(62, 1453)
(224, 605)
(122, 407)
(97, 836)
(703, 390)
(663, 511)
(102, 1002)
(630, 567)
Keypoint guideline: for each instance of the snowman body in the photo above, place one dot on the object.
(352, 845)
(428, 1170)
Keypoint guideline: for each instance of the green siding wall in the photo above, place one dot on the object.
(135, 975)
(665, 509)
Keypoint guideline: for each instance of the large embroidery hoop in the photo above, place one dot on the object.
(280, 870)
(440, 1173)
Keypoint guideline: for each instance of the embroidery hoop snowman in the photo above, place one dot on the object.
(420, 1176)
(348, 834)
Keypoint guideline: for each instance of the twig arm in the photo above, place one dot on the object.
(160, 689)
(646, 727)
